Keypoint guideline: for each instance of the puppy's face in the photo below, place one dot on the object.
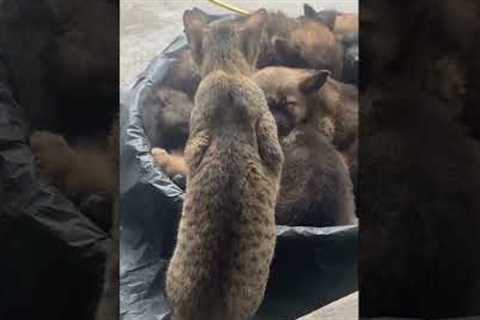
(52, 152)
(174, 115)
(291, 94)
(312, 45)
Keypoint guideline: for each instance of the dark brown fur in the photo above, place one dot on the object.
(332, 109)
(315, 187)
(343, 99)
(342, 24)
(165, 117)
(311, 45)
(278, 25)
(302, 43)
(226, 236)
(183, 74)
(345, 28)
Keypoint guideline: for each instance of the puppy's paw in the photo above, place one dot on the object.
(52, 152)
(172, 164)
(161, 157)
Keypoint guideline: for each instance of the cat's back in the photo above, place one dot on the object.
(218, 90)
(229, 107)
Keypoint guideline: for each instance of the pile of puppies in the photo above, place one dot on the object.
(241, 163)
(307, 69)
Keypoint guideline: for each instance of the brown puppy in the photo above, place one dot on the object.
(165, 116)
(183, 74)
(226, 237)
(342, 24)
(332, 109)
(315, 187)
(278, 25)
(327, 111)
(311, 45)
(299, 43)
(77, 172)
(345, 28)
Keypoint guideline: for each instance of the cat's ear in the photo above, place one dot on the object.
(195, 18)
(251, 32)
(195, 23)
(328, 18)
(312, 83)
(309, 12)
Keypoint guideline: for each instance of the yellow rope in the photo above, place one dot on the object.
(230, 7)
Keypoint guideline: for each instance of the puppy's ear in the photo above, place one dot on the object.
(314, 82)
(328, 18)
(195, 23)
(251, 31)
(309, 12)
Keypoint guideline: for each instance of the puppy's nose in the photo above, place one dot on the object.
(272, 103)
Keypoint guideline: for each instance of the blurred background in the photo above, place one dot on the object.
(148, 26)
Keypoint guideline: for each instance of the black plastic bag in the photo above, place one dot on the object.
(312, 266)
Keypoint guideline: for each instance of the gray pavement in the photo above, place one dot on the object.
(342, 309)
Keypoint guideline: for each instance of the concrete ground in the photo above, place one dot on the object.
(342, 309)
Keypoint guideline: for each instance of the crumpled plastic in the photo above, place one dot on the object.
(312, 266)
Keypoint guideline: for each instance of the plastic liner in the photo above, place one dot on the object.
(53, 256)
(312, 266)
